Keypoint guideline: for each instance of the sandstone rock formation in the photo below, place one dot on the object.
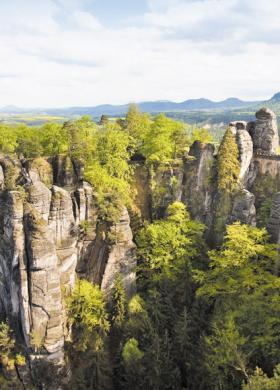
(264, 131)
(197, 192)
(244, 208)
(46, 235)
(245, 146)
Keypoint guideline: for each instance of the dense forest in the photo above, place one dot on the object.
(205, 316)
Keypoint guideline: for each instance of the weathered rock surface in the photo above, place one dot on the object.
(245, 146)
(121, 259)
(197, 192)
(265, 131)
(44, 234)
(44, 288)
(244, 208)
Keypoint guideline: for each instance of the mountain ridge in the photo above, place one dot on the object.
(230, 103)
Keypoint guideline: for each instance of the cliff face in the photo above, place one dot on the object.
(48, 235)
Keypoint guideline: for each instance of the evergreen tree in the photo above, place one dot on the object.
(118, 303)
(228, 166)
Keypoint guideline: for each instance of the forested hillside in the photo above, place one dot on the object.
(139, 253)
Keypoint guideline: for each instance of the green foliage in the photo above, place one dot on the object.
(228, 166)
(201, 135)
(118, 303)
(8, 139)
(86, 311)
(165, 140)
(260, 381)
(137, 125)
(109, 172)
(36, 340)
(29, 142)
(7, 342)
(225, 355)
(131, 353)
(54, 139)
(242, 281)
(169, 244)
(81, 138)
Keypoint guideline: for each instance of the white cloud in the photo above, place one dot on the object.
(53, 54)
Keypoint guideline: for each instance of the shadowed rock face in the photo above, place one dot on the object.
(244, 208)
(197, 191)
(41, 242)
(264, 131)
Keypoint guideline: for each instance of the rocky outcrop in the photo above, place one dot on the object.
(45, 301)
(47, 237)
(264, 131)
(196, 187)
(244, 208)
(245, 147)
(111, 253)
(121, 259)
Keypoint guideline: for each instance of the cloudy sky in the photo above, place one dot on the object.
(87, 52)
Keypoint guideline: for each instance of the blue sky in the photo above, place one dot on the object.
(88, 52)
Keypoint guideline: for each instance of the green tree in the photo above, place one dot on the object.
(28, 141)
(226, 357)
(7, 342)
(164, 140)
(54, 139)
(81, 134)
(8, 139)
(86, 311)
(228, 166)
(118, 303)
(166, 245)
(201, 135)
(243, 282)
(137, 126)
(260, 381)
(132, 360)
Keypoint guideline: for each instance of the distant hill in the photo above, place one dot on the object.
(273, 103)
(151, 107)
